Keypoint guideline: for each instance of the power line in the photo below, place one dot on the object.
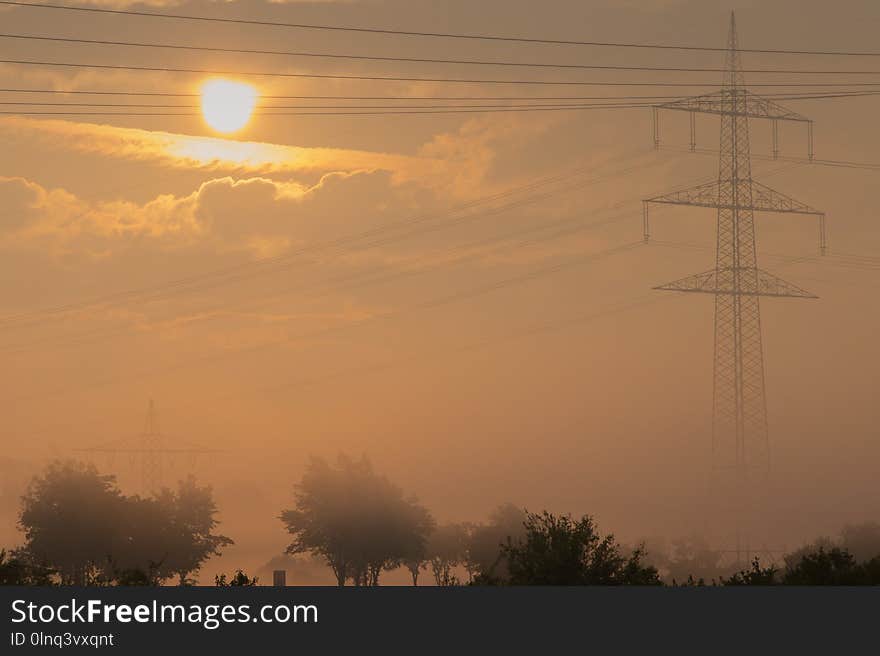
(862, 88)
(419, 60)
(837, 163)
(482, 105)
(332, 113)
(872, 263)
(371, 78)
(415, 60)
(857, 256)
(442, 35)
(346, 110)
(267, 107)
(821, 95)
(447, 80)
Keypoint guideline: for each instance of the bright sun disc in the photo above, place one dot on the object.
(227, 106)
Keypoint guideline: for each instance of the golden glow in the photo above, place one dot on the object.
(219, 153)
(226, 105)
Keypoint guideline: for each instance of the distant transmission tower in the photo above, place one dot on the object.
(740, 447)
(150, 452)
(151, 457)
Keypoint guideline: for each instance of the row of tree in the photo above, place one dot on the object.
(361, 525)
(834, 566)
(693, 558)
(80, 529)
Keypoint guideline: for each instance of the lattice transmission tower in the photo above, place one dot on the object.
(740, 446)
(151, 452)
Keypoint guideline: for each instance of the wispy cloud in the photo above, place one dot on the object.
(212, 153)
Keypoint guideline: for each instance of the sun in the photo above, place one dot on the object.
(226, 105)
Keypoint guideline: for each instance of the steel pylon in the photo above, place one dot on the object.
(152, 474)
(151, 452)
(740, 441)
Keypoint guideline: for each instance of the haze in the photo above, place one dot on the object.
(496, 349)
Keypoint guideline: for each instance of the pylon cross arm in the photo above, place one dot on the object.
(749, 282)
(747, 104)
(703, 195)
(765, 199)
(708, 194)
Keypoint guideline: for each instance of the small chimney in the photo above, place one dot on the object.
(279, 578)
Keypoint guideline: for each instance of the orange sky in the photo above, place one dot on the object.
(476, 355)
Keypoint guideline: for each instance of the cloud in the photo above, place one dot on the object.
(37, 217)
(255, 214)
(212, 153)
(473, 151)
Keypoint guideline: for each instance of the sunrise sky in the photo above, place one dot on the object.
(464, 297)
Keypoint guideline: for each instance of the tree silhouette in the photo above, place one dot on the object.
(188, 534)
(70, 517)
(415, 565)
(77, 522)
(485, 558)
(690, 557)
(792, 559)
(355, 519)
(559, 550)
(18, 568)
(447, 548)
(140, 547)
(135, 576)
(239, 579)
(816, 566)
(834, 566)
(757, 575)
(413, 540)
(862, 540)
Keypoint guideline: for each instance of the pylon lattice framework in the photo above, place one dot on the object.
(150, 452)
(739, 415)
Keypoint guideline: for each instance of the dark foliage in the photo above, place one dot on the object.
(559, 550)
(485, 560)
(862, 540)
(757, 575)
(79, 525)
(19, 568)
(833, 567)
(239, 579)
